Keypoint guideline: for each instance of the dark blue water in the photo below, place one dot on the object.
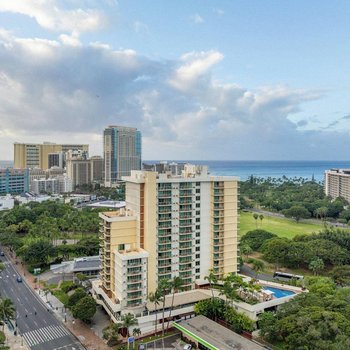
(277, 169)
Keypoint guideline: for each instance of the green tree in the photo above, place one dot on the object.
(256, 238)
(256, 217)
(111, 333)
(268, 328)
(212, 279)
(85, 309)
(316, 265)
(176, 285)
(38, 252)
(258, 266)
(155, 298)
(261, 217)
(297, 212)
(341, 275)
(78, 294)
(164, 288)
(7, 311)
(2, 267)
(128, 320)
(246, 250)
(136, 332)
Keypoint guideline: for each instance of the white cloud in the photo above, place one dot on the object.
(49, 15)
(193, 66)
(50, 91)
(197, 19)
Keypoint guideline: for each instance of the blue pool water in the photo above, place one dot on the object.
(279, 293)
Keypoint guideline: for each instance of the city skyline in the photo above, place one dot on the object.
(229, 80)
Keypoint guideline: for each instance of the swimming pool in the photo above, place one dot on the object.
(279, 293)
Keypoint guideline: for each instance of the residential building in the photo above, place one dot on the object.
(6, 202)
(65, 184)
(78, 170)
(122, 152)
(37, 155)
(337, 183)
(14, 181)
(172, 226)
(45, 186)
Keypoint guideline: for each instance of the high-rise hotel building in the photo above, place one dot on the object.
(171, 226)
(122, 152)
(34, 155)
(337, 183)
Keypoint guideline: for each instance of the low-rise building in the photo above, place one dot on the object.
(14, 181)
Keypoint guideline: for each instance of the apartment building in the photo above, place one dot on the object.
(37, 155)
(14, 181)
(122, 152)
(172, 226)
(337, 183)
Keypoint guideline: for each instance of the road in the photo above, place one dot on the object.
(35, 321)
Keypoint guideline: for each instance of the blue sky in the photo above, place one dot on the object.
(257, 79)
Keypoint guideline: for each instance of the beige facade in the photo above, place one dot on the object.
(37, 155)
(186, 224)
(337, 183)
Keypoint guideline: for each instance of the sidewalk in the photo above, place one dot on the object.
(79, 329)
(13, 341)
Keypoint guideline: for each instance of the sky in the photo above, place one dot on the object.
(225, 80)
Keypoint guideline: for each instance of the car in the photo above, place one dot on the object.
(19, 279)
(2, 254)
(142, 347)
(187, 347)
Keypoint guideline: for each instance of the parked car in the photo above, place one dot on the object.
(187, 347)
(19, 279)
(2, 253)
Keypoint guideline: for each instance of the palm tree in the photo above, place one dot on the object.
(7, 311)
(176, 285)
(155, 298)
(256, 216)
(164, 288)
(136, 332)
(261, 217)
(128, 320)
(212, 279)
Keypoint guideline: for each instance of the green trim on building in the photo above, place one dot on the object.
(195, 337)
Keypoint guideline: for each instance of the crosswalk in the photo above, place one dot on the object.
(44, 334)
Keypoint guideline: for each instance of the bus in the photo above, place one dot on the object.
(286, 276)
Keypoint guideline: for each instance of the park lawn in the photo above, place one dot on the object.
(280, 226)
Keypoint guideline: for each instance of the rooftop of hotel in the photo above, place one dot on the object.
(122, 212)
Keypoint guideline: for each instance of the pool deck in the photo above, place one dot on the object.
(253, 311)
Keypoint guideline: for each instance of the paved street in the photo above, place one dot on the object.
(35, 321)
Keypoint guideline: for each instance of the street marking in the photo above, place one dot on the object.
(45, 334)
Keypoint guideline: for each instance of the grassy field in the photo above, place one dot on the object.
(281, 227)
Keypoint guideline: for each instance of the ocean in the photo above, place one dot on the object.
(277, 169)
(244, 169)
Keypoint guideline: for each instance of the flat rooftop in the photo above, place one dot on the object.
(202, 328)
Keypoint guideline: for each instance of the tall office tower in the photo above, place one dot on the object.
(14, 181)
(337, 183)
(37, 155)
(172, 226)
(122, 152)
